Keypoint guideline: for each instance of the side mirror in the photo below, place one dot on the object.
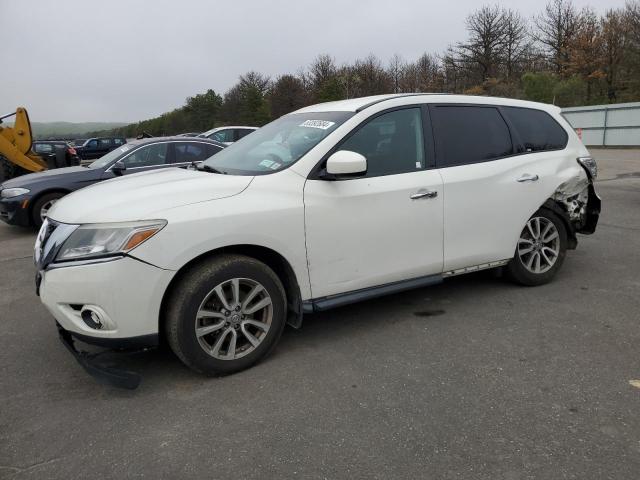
(345, 163)
(118, 168)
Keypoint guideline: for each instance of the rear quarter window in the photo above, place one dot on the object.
(536, 129)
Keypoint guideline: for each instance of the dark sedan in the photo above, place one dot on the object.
(26, 200)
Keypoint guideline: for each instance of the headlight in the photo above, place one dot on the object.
(108, 239)
(13, 192)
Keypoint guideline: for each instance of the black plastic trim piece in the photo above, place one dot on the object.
(333, 301)
(594, 205)
(103, 374)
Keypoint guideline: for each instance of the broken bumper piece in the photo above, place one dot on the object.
(104, 374)
(592, 212)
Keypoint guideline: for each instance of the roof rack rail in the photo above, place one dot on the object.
(398, 95)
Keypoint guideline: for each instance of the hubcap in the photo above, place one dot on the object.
(234, 318)
(45, 209)
(539, 245)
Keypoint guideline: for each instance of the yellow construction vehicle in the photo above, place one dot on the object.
(16, 156)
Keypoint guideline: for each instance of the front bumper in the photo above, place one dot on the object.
(125, 293)
(15, 211)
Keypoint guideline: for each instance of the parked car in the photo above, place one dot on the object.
(228, 135)
(94, 148)
(47, 149)
(26, 200)
(329, 205)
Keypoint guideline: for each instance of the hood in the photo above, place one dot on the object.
(143, 195)
(32, 178)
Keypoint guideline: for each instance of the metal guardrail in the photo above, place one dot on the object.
(612, 125)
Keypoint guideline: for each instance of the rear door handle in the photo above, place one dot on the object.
(424, 194)
(527, 177)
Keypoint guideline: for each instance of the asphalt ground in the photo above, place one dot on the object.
(475, 378)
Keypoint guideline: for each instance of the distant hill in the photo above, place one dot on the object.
(42, 130)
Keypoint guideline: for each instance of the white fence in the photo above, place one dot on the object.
(615, 125)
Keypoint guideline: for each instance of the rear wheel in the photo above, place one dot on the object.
(41, 207)
(226, 314)
(540, 251)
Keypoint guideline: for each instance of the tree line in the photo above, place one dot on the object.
(563, 55)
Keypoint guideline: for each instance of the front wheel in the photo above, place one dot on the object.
(41, 207)
(540, 251)
(225, 314)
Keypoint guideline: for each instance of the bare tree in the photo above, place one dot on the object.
(615, 41)
(586, 50)
(428, 73)
(370, 77)
(394, 70)
(556, 28)
(483, 50)
(516, 42)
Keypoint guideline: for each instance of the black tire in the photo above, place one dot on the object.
(194, 287)
(36, 208)
(517, 271)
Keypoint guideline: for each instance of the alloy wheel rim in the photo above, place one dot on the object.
(234, 318)
(44, 211)
(539, 245)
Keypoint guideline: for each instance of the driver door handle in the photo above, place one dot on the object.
(424, 194)
(527, 177)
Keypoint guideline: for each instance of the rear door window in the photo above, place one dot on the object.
(537, 130)
(104, 143)
(186, 152)
(470, 134)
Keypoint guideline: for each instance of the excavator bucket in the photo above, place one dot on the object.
(15, 145)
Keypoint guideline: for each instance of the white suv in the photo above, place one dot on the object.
(329, 205)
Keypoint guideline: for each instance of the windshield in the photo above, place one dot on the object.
(110, 157)
(278, 145)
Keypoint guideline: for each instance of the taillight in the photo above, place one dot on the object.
(589, 165)
(72, 151)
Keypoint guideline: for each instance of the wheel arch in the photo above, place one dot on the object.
(274, 260)
(557, 208)
(39, 195)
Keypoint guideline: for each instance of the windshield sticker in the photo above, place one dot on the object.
(275, 166)
(266, 163)
(321, 124)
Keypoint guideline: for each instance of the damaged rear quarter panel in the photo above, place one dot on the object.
(573, 195)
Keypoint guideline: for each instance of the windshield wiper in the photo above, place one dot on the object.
(206, 168)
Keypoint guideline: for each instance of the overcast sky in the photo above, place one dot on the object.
(128, 60)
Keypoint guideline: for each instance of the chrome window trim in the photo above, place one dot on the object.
(154, 143)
